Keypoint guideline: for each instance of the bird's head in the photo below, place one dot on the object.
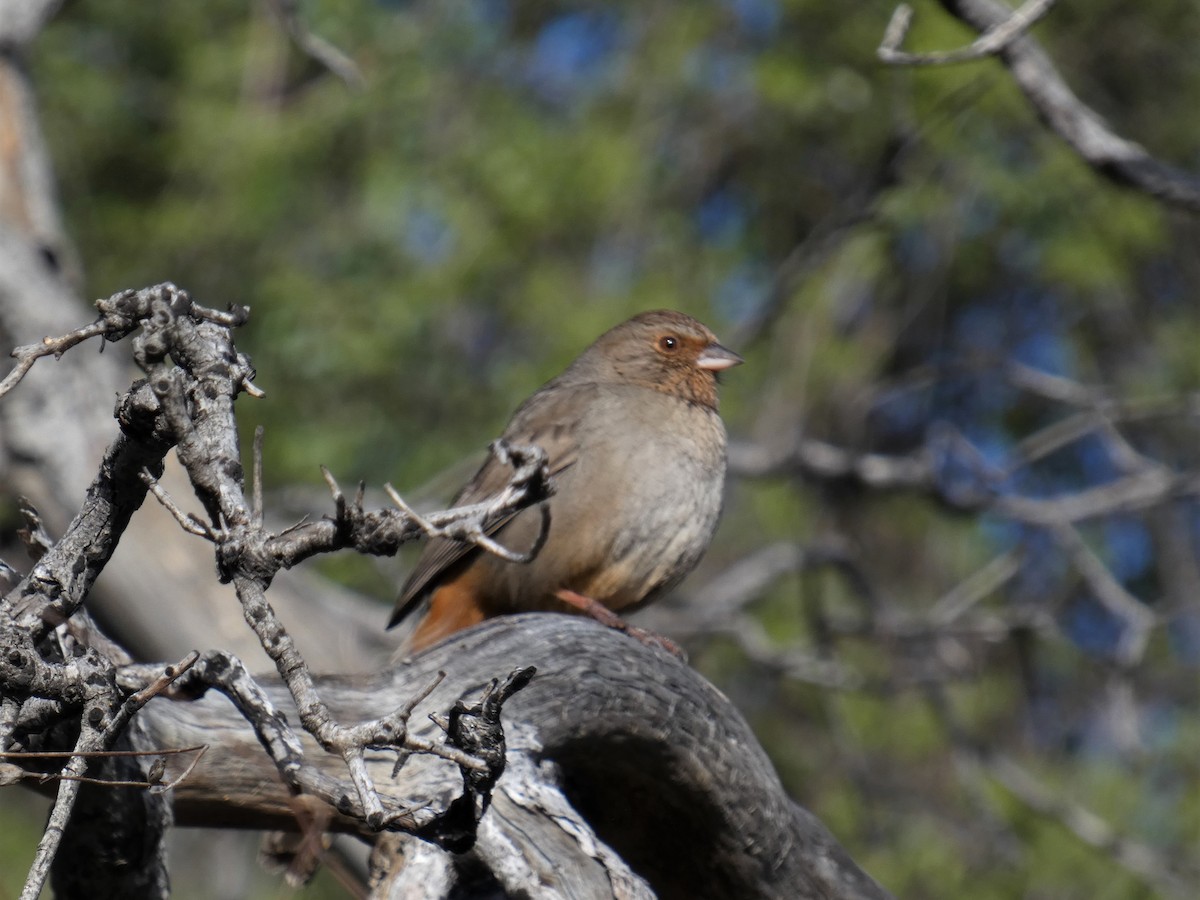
(664, 350)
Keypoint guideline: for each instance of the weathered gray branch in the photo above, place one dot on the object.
(1082, 128)
(626, 769)
(991, 42)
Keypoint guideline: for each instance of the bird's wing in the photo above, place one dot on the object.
(550, 419)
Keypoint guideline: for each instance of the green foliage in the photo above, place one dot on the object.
(420, 255)
(21, 818)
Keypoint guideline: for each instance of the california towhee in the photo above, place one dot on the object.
(637, 451)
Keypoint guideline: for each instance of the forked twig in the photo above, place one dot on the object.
(991, 42)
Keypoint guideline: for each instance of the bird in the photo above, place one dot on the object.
(636, 448)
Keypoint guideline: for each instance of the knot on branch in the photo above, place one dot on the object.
(140, 416)
(245, 552)
(475, 729)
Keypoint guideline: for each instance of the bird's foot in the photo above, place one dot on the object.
(607, 617)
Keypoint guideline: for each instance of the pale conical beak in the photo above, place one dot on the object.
(715, 358)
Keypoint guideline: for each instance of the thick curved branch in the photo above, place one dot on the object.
(616, 752)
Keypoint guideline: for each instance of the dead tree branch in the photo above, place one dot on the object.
(194, 374)
(627, 772)
(1082, 128)
(317, 48)
(991, 42)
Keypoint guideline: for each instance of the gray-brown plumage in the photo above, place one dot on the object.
(637, 451)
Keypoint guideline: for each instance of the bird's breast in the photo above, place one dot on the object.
(647, 491)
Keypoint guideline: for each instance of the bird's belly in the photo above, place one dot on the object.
(662, 515)
(627, 522)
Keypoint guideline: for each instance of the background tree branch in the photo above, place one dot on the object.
(1084, 130)
(966, 525)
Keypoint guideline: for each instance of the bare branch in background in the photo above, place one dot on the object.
(317, 48)
(1081, 127)
(991, 42)
(978, 764)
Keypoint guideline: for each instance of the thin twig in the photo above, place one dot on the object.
(991, 42)
(1139, 619)
(154, 784)
(256, 505)
(27, 355)
(979, 585)
(287, 12)
(187, 521)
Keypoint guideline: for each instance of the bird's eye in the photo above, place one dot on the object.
(668, 343)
